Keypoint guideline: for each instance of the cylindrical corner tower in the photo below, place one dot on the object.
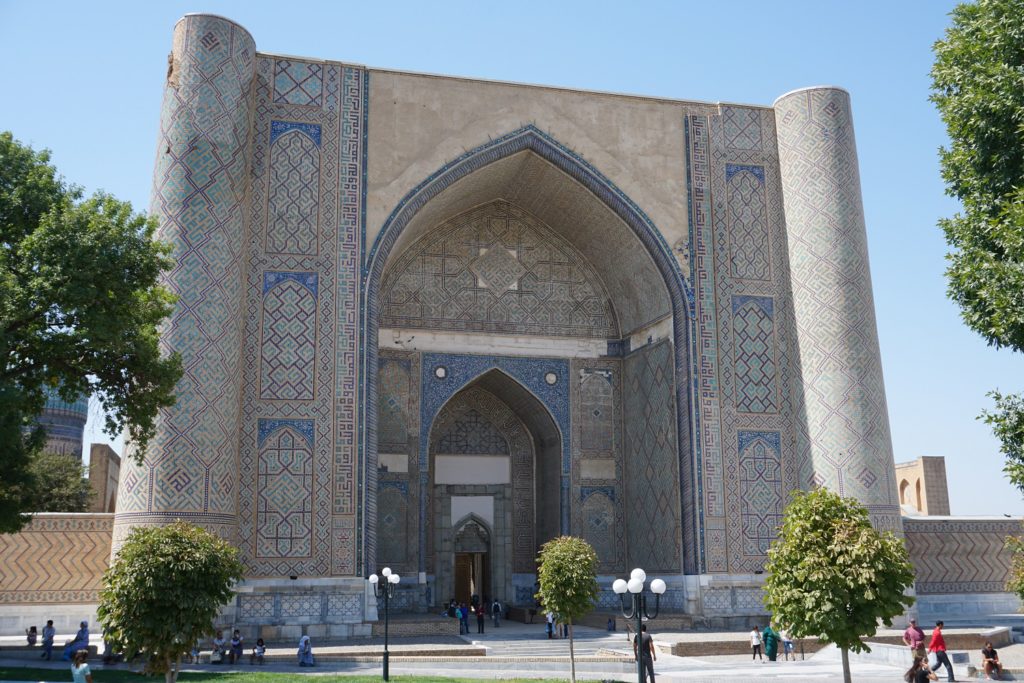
(199, 190)
(847, 441)
(64, 424)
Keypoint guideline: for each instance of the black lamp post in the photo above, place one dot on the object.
(387, 591)
(638, 608)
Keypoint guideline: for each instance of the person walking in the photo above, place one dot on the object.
(771, 642)
(49, 632)
(496, 612)
(913, 638)
(643, 647)
(550, 619)
(755, 643)
(938, 646)
(480, 617)
(787, 644)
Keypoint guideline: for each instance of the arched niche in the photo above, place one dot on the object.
(534, 173)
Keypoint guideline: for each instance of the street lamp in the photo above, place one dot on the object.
(387, 591)
(638, 607)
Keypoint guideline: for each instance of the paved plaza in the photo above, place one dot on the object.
(523, 651)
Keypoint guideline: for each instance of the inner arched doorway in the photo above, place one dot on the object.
(493, 491)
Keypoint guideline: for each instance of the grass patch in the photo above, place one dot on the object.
(11, 673)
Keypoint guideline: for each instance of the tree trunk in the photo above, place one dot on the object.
(846, 664)
(174, 666)
(572, 656)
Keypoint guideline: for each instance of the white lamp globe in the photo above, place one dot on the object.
(638, 574)
(394, 578)
(658, 587)
(386, 571)
(619, 586)
(635, 585)
(374, 579)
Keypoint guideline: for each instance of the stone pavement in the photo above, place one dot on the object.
(522, 650)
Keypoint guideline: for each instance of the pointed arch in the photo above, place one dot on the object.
(528, 138)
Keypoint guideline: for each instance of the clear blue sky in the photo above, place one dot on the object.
(85, 80)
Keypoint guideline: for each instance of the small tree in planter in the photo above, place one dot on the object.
(832, 575)
(163, 591)
(568, 582)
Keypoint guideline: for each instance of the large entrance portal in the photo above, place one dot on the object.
(527, 388)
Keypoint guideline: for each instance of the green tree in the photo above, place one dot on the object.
(567, 575)
(978, 88)
(1015, 580)
(163, 591)
(61, 485)
(832, 575)
(79, 308)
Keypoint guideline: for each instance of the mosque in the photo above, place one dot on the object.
(431, 322)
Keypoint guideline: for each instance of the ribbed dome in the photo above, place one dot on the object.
(55, 404)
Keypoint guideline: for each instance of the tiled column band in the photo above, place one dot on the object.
(846, 437)
(190, 470)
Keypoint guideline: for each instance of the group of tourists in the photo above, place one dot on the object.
(770, 639)
(49, 632)
(79, 642)
(478, 607)
(927, 663)
(232, 650)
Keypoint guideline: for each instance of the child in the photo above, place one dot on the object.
(236, 647)
(31, 634)
(257, 652)
(79, 669)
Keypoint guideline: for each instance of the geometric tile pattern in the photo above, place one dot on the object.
(471, 434)
(652, 463)
(298, 83)
(294, 198)
(597, 527)
(742, 128)
(300, 320)
(288, 344)
(959, 556)
(760, 489)
(392, 525)
(756, 342)
(847, 421)
(706, 508)
(285, 492)
(750, 256)
(199, 195)
(397, 431)
(597, 411)
(496, 269)
(37, 567)
(595, 395)
(754, 359)
(710, 502)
